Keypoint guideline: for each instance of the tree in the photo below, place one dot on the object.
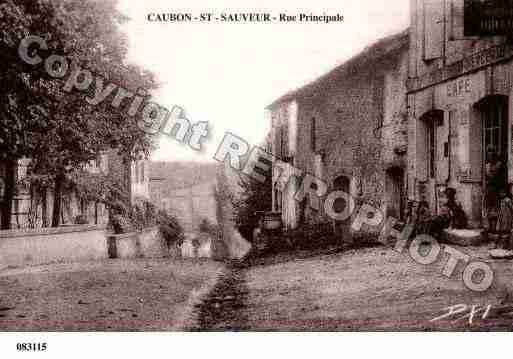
(254, 197)
(59, 130)
(20, 108)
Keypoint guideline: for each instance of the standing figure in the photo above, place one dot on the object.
(423, 218)
(495, 181)
(504, 221)
(410, 213)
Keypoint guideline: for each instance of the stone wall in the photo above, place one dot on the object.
(149, 243)
(77, 243)
(351, 127)
(43, 246)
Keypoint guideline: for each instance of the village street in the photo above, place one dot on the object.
(115, 295)
(365, 289)
(359, 289)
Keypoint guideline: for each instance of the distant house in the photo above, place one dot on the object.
(185, 189)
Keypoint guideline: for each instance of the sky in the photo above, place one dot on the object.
(227, 73)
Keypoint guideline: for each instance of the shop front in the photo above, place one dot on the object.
(460, 131)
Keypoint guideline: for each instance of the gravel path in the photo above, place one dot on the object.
(372, 289)
(115, 295)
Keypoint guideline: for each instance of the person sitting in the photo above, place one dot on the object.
(451, 215)
(457, 216)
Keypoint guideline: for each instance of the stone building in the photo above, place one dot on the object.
(194, 192)
(349, 129)
(459, 98)
(31, 209)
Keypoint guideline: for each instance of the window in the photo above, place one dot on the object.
(312, 134)
(434, 17)
(493, 129)
(494, 112)
(142, 171)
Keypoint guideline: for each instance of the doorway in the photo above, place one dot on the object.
(494, 116)
(493, 112)
(395, 193)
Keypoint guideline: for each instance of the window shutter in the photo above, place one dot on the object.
(422, 151)
(433, 29)
(457, 20)
(475, 143)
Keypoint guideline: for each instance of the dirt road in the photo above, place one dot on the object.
(374, 289)
(115, 295)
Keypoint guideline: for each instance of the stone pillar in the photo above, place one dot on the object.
(411, 169)
(470, 154)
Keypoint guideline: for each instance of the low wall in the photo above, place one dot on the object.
(152, 243)
(203, 246)
(148, 243)
(123, 245)
(48, 245)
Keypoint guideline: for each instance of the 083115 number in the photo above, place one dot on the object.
(31, 347)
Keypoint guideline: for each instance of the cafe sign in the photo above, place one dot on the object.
(488, 17)
(459, 68)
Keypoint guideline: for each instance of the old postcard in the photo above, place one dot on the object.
(254, 166)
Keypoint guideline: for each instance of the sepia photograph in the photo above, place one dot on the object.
(177, 167)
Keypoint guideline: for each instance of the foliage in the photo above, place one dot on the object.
(60, 131)
(210, 228)
(121, 224)
(80, 219)
(125, 218)
(170, 228)
(312, 236)
(254, 197)
(143, 215)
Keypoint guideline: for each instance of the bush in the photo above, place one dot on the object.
(126, 219)
(322, 235)
(80, 219)
(209, 228)
(121, 224)
(313, 236)
(143, 215)
(170, 228)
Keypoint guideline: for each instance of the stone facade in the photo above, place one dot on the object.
(349, 129)
(459, 96)
(34, 210)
